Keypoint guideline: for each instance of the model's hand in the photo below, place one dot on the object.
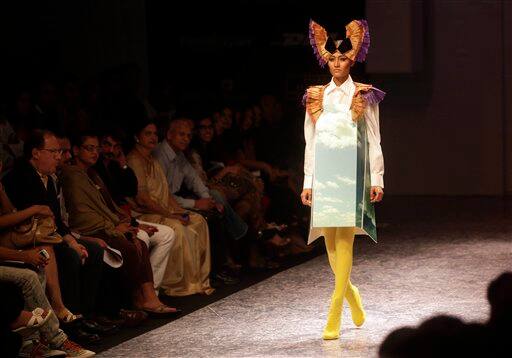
(376, 194)
(306, 196)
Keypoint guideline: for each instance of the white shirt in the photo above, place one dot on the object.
(341, 97)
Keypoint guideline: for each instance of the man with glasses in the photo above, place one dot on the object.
(80, 262)
(113, 169)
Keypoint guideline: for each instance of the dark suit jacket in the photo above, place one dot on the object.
(25, 188)
(121, 183)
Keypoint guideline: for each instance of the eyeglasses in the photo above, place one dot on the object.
(91, 148)
(111, 145)
(54, 152)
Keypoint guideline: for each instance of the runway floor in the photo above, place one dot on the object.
(438, 258)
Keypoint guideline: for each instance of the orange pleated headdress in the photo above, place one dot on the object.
(354, 45)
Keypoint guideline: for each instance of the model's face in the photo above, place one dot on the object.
(148, 137)
(88, 152)
(339, 66)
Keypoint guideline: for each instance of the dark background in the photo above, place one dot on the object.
(446, 65)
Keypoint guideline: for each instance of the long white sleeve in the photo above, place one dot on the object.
(309, 153)
(371, 116)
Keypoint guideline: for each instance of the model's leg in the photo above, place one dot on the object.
(329, 239)
(356, 306)
(343, 242)
(352, 293)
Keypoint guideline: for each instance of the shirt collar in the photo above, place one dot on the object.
(345, 87)
(44, 178)
(170, 152)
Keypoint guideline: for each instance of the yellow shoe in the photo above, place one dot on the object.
(356, 308)
(332, 328)
(329, 335)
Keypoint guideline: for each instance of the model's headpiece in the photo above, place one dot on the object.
(354, 44)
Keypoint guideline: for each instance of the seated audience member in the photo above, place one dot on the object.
(221, 217)
(439, 336)
(50, 340)
(281, 186)
(189, 265)
(235, 183)
(499, 295)
(113, 169)
(92, 213)
(31, 182)
(179, 172)
(158, 238)
(110, 311)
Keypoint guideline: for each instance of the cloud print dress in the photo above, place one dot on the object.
(343, 157)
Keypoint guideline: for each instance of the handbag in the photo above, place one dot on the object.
(234, 186)
(32, 232)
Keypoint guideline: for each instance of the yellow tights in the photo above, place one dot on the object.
(339, 244)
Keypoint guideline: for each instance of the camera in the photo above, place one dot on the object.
(45, 254)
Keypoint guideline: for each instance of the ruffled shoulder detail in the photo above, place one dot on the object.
(371, 95)
(364, 95)
(313, 101)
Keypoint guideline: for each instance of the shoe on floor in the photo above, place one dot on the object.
(82, 336)
(226, 278)
(71, 349)
(34, 348)
(92, 326)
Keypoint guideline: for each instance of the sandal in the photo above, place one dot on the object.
(162, 311)
(35, 322)
(66, 317)
(279, 241)
(269, 237)
(132, 318)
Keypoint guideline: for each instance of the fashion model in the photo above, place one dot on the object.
(343, 163)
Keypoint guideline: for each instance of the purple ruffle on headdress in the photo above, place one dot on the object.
(374, 95)
(363, 51)
(313, 43)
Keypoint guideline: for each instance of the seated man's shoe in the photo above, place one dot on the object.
(79, 334)
(91, 326)
(132, 318)
(34, 348)
(108, 321)
(227, 279)
(74, 350)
